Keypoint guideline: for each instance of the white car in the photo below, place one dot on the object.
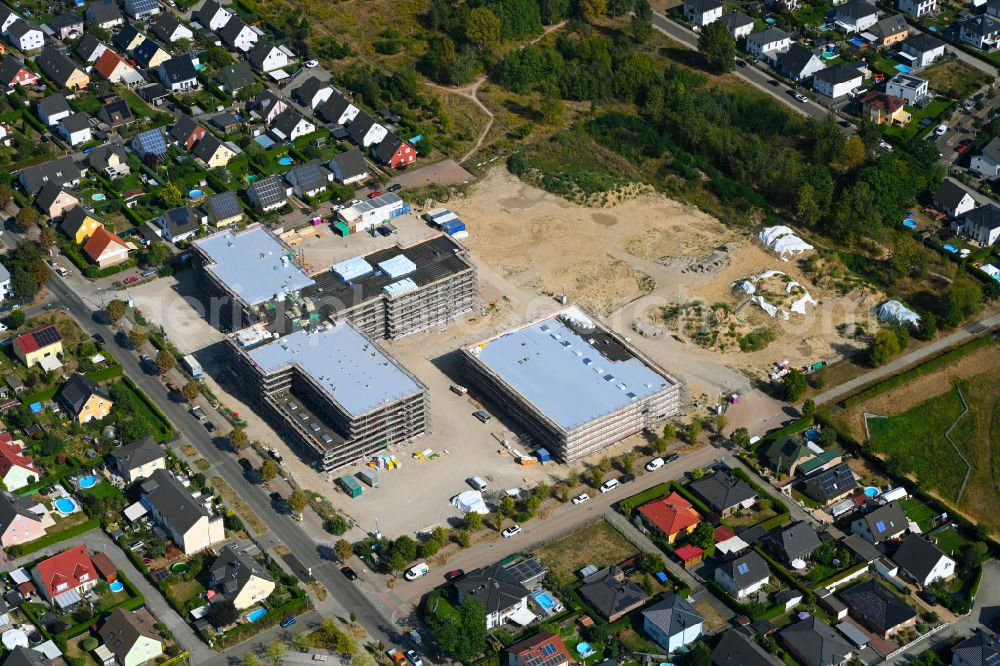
(654, 464)
(940, 129)
(608, 486)
(513, 530)
(581, 498)
(802, 98)
(310, 63)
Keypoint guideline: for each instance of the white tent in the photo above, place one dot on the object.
(470, 501)
(895, 312)
(782, 241)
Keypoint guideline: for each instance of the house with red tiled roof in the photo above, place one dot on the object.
(42, 346)
(116, 69)
(105, 248)
(544, 649)
(17, 469)
(672, 516)
(689, 555)
(64, 577)
(883, 109)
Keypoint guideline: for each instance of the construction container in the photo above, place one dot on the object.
(342, 230)
(350, 486)
(452, 227)
(543, 455)
(368, 477)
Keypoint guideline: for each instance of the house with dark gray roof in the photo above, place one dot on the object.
(25, 35)
(503, 597)
(127, 38)
(364, 131)
(138, 460)
(743, 575)
(309, 179)
(611, 594)
(290, 125)
(185, 518)
(223, 209)
(237, 35)
(142, 9)
(179, 224)
(349, 167)
(725, 493)
(104, 14)
(60, 69)
(24, 656)
(268, 193)
(736, 649)
(178, 74)
(672, 622)
(837, 81)
(116, 113)
(169, 29)
(878, 608)
(982, 224)
(814, 643)
(953, 199)
(884, 523)
(84, 399)
(212, 16)
(19, 522)
(75, 128)
(799, 63)
(267, 57)
(987, 162)
(922, 49)
(313, 92)
(980, 649)
(213, 152)
(110, 159)
(89, 49)
(831, 484)
(337, 110)
(62, 171)
(795, 541)
(235, 77)
(739, 24)
(240, 578)
(922, 561)
(52, 109)
(67, 26)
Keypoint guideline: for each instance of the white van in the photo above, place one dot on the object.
(478, 483)
(416, 571)
(609, 486)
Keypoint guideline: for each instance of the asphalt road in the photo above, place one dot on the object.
(372, 612)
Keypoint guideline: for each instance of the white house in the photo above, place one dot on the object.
(75, 128)
(768, 43)
(979, 31)
(739, 24)
(702, 12)
(672, 623)
(131, 637)
(923, 49)
(501, 593)
(923, 562)
(365, 132)
(349, 167)
(5, 290)
(238, 35)
(337, 109)
(309, 179)
(212, 16)
(953, 199)
(744, 575)
(25, 36)
(837, 81)
(799, 63)
(982, 225)
(911, 88)
(290, 125)
(267, 57)
(987, 162)
(918, 7)
(883, 524)
(855, 16)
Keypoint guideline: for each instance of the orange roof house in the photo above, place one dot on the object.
(884, 109)
(689, 555)
(545, 649)
(672, 516)
(69, 570)
(16, 468)
(105, 248)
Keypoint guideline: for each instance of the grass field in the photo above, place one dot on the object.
(954, 78)
(599, 544)
(950, 541)
(918, 512)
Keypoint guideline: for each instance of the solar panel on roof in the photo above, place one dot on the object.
(225, 205)
(742, 568)
(137, 6)
(880, 526)
(153, 141)
(46, 336)
(269, 190)
(548, 649)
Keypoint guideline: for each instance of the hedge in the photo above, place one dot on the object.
(50, 539)
(790, 429)
(779, 506)
(183, 656)
(843, 574)
(165, 427)
(102, 375)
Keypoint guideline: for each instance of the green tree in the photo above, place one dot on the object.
(115, 310)
(473, 521)
(794, 384)
(15, 319)
(26, 218)
(298, 500)
(138, 336)
(463, 637)
(276, 651)
(884, 346)
(740, 438)
(807, 208)
(250, 659)
(592, 10)
(703, 535)
(47, 237)
(190, 390)
(343, 549)
(237, 439)
(720, 423)
(170, 195)
(336, 525)
(6, 195)
(718, 47)
(808, 407)
(700, 655)
(927, 328)
(694, 431)
(165, 361)
(507, 507)
(963, 298)
(482, 29)
(596, 477)
(852, 154)
(268, 470)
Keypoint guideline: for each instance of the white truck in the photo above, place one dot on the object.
(192, 365)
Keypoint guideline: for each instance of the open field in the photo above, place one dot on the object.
(599, 544)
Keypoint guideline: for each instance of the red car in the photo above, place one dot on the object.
(960, 148)
(452, 575)
(374, 194)
(130, 280)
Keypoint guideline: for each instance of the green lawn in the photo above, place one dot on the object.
(913, 129)
(950, 541)
(103, 490)
(919, 512)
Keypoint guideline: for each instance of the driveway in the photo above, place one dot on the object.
(445, 172)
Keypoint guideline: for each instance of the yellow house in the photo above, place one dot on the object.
(80, 223)
(223, 209)
(84, 399)
(240, 578)
(78, 80)
(213, 152)
(42, 346)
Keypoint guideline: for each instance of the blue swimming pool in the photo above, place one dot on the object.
(87, 482)
(545, 601)
(116, 586)
(871, 491)
(770, 20)
(903, 68)
(951, 248)
(66, 505)
(256, 614)
(196, 194)
(856, 41)
(98, 196)
(812, 434)
(829, 55)
(909, 224)
(265, 141)
(284, 161)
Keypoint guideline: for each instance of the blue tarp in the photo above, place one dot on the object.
(36, 407)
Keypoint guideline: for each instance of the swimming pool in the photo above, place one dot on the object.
(196, 194)
(871, 491)
(583, 649)
(98, 196)
(264, 140)
(770, 20)
(856, 41)
(812, 434)
(909, 224)
(66, 505)
(256, 614)
(829, 55)
(116, 586)
(903, 68)
(87, 482)
(285, 161)
(951, 248)
(544, 600)
(200, 67)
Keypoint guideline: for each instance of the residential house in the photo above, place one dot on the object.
(7, 18)
(786, 454)
(799, 63)
(739, 24)
(213, 152)
(267, 193)
(67, 26)
(223, 209)
(267, 57)
(922, 50)
(736, 649)
(744, 575)
(308, 180)
(235, 77)
(62, 578)
(37, 346)
(911, 88)
(979, 31)
(503, 597)
(149, 54)
(238, 35)
(109, 159)
(116, 69)
(127, 39)
(794, 541)
(611, 594)
(918, 7)
(672, 623)
(61, 70)
(542, 649)
(982, 225)
(179, 224)
(142, 9)
(240, 578)
(883, 109)
(75, 128)
(671, 516)
(80, 223)
(17, 468)
(349, 167)
(890, 30)
(6, 292)
(814, 643)
(226, 122)
(170, 30)
(980, 649)
(212, 16)
(62, 171)
(831, 484)
(922, 561)
(54, 200)
(787, 5)
(702, 12)
(313, 92)
(131, 636)
(268, 106)
(290, 125)
(19, 522)
(992, 7)
(178, 74)
(953, 199)
(89, 49)
(14, 73)
(186, 132)
(190, 525)
(52, 109)
(138, 460)
(114, 114)
(84, 399)
(25, 36)
(768, 43)
(364, 131)
(987, 162)
(25, 656)
(725, 493)
(107, 249)
(337, 110)
(104, 14)
(837, 81)
(855, 16)
(393, 152)
(880, 610)
(884, 523)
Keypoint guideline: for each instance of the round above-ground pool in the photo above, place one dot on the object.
(285, 161)
(770, 20)
(66, 505)
(909, 224)
(87, 482)
(871, 491)
(196, 194)
(98, 196)
(116, 586)
(179, 567)
(583, 648)
(256, 614)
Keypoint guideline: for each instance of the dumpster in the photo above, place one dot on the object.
(543, 455)
(369, 477)
(350, 486)
(342, 229)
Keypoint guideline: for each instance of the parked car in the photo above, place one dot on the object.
(581, 498)
(62, 272)
(132, 279)
(349, 573)
(416, 571)
(414, 658)
(626, 478)
(940, 129)
(311, 63)
(801, 98)
(654, 464)
(376, 193)
(608, 486)
(98, 338)
(672, 457)
(395, 187)
(513, 530)
(961, 148)
(482, 416)
(454, 574)
(287, 622)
